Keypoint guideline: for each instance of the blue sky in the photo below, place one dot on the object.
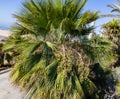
(9, 7)
(101, 6)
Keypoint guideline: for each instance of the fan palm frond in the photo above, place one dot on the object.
(115, 7)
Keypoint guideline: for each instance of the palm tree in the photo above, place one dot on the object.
(111, 31)
(53, 51)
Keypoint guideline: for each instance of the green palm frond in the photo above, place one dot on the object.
(115, 7)
(89, 87)
(60, 15)
(99, 50)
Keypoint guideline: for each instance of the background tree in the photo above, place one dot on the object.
(5, 58)
(111, 31)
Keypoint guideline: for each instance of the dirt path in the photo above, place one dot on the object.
(7, 90)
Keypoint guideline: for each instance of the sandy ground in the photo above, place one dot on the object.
(7, 90)
(5, 33)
